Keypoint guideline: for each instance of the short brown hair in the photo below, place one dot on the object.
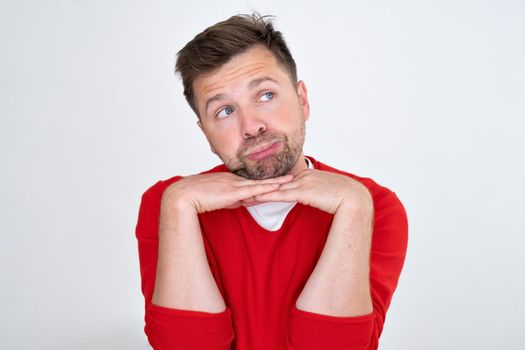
(217, 44)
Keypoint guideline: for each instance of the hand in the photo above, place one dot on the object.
(323, 190)
(207, 192)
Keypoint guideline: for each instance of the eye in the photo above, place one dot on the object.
(223, 113)
(267, 96)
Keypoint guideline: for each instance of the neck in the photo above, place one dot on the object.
(300, 166)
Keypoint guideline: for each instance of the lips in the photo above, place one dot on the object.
(265, 151)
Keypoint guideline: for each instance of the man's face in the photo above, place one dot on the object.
(253, 115)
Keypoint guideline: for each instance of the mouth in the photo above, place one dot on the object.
(264, 152)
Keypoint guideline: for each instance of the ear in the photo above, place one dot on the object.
(303, 98)
(199, 123)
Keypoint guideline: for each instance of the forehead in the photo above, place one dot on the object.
(242, 68)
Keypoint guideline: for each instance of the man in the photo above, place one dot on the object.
(272, 249)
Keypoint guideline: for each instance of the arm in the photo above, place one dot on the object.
(166, 327)
(339, 284)
(184, 307)
(344, 302)
(184, 279)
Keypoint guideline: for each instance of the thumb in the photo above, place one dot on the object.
(234, 205)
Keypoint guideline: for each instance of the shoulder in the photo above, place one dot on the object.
(390, 236)
(383, 197)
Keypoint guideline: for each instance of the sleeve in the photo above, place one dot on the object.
(173, 328)
(312, 331)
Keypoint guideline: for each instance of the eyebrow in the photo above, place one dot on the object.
(251, 85)
(217, 97)
(256, 82)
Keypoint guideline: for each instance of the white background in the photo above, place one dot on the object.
(425, 97)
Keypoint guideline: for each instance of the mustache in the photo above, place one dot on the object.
(250, 143)
(257, 140)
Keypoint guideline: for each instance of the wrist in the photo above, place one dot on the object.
(175, 214)
(176, 198)
(361, 204)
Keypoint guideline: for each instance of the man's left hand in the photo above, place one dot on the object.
(320, 189)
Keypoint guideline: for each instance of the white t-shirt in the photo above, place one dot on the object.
(271, 215)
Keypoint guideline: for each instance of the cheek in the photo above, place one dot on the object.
(224, 143)
(287, 117)
(276, 108)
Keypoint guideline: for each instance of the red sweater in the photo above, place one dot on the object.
(261, 273)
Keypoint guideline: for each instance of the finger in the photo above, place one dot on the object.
(273, 180)
(290, 195)
(247, 192)
(250, 202)
(290, 185)
(234, 205)
(276, 180)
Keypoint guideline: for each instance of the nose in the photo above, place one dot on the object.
(252, 124)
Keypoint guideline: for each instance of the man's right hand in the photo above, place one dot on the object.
(207, 192)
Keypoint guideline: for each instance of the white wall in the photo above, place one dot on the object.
(425, 97)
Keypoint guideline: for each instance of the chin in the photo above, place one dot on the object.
(271, 167)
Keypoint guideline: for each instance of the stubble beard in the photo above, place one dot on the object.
(277, 165)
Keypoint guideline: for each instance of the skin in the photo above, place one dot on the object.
(253, 103)
(245, 106)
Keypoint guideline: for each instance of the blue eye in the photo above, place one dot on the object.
(267, 96)
(223, 113)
